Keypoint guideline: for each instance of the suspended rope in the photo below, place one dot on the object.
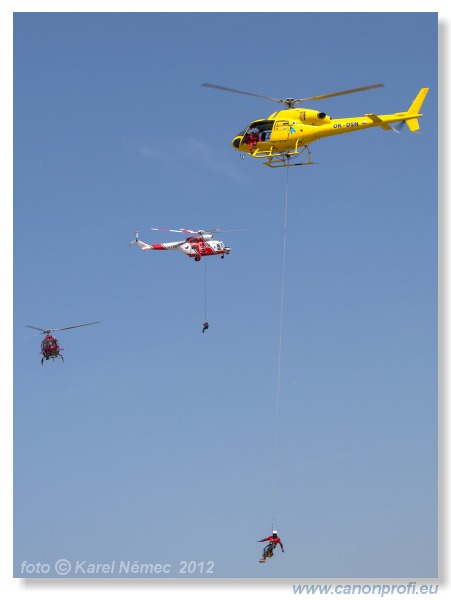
(279, 362)
(205, 325)
(205, 287)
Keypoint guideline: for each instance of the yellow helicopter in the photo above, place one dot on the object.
(289, 132)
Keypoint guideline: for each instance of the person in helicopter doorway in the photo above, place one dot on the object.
(268, 550)
(205, 326)
(252, 139)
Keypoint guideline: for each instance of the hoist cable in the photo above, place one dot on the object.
(279, 362)
(205, 288)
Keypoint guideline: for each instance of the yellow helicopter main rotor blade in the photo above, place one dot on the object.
(291, 102)
(227, 89)
(333, 94)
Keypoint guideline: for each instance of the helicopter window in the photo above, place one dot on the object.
(263, 128)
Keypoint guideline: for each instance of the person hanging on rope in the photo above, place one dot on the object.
(205, 326)
(268, 550)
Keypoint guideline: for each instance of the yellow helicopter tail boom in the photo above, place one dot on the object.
(414, 109)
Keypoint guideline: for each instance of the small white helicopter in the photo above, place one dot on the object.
(195, 246)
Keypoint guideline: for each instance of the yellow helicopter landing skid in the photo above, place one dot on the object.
(276, 160)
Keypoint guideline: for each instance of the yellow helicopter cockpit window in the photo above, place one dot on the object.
(263, 128)
(258, 131)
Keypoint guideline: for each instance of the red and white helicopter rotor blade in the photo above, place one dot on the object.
(198, 231)
(173, 230)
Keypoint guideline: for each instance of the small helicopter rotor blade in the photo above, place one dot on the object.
(32, 335)
(40, 329)
(74, 326)
(227, 89)
(333, 94)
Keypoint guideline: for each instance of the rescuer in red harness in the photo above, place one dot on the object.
(252, 139)
(273, 540)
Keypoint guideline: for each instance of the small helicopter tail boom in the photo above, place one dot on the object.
(415, 108)
(167, 246)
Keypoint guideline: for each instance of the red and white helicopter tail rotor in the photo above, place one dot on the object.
(136, 240)
(141, 244)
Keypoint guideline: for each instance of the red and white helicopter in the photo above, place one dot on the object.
(195, 246)
(50, 347)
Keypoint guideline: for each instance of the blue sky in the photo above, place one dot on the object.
(153, 442)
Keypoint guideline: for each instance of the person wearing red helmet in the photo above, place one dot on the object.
(268, 550)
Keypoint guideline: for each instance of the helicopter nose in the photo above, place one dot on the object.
(237, 141)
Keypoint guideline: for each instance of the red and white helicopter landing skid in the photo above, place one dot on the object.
(200, 244)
